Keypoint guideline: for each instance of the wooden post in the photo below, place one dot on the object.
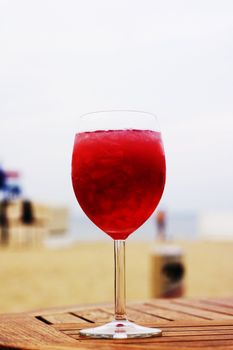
(167, 272)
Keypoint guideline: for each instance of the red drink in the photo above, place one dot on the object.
(118, 177)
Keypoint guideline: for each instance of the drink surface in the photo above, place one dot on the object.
(118, 177)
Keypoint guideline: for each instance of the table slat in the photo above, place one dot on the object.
(186, 324)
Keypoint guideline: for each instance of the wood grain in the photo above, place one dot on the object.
(186, 324)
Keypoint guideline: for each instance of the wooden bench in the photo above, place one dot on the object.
(186, 324)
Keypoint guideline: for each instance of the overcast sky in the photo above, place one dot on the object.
(62, 58)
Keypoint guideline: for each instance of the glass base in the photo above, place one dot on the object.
(121, 330)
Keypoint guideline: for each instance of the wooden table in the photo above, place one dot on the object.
(186, 324)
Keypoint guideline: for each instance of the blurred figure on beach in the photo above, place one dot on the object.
(28, 223)
(2, 182)
(27, 213)
(4, 222)
(161, 223)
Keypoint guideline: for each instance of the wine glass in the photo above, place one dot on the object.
(118, 177)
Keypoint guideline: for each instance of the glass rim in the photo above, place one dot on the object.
(82, 116)
(118, 119)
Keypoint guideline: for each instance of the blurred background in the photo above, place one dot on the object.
(60, 59)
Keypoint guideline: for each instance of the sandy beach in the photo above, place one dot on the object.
(42, 277)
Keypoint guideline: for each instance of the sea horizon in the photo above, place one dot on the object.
(179, 226)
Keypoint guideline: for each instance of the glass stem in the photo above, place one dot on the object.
(119, 280)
